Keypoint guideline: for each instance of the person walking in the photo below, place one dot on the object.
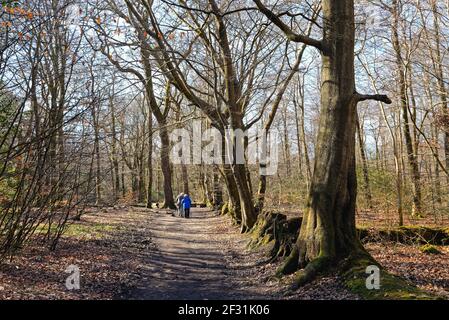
(186, 204)
(179, 204)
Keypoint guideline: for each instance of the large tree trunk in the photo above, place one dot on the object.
(328, 232)
(217, 191)
(234, 198)
(161, 117)
(166, 167)
(235, 106)
(248, 212)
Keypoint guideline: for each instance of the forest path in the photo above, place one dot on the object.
(197, 258)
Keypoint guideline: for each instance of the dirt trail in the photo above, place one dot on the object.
(194, 259)
(136, 253)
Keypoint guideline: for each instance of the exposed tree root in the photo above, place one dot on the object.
(354, 274)
(310, 272)
(225, 209)
(233, 212)
(276, 233)
(407, 235)
(273, 232)
(290, 265)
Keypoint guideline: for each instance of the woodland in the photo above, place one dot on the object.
(94, 93)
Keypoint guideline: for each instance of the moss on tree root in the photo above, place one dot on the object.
(225, 209)
(276, 233)
(407, 235)
(229, 209)
(429, 249)
(353, 273)
(310, 272)
(272, 226)
(354, 276)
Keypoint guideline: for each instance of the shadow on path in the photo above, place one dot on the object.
(189, 262)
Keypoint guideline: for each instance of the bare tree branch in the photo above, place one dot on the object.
(375, 97)
(291, 35)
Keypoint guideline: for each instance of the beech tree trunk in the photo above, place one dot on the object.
(248, 212)
(234, 198)
(328, 232)
(217, 191)
(169, 201)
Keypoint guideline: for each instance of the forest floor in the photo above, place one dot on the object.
(136, 253)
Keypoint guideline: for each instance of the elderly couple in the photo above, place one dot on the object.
(184, 203)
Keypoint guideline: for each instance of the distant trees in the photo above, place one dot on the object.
(419, 104)
(39, 59)
(109, 45)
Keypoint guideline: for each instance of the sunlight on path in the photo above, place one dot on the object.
(189, 262)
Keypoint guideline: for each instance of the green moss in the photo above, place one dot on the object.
(225, 209)
(391, 287)
(97, 230)
(266, 240)
(209, 204)
(310, 272)
(429, 249)
(231, 212)
(406, 234)
(290, 265)
(76, 230)
(275, 234)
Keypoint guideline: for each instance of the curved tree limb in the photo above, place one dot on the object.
(291, 35)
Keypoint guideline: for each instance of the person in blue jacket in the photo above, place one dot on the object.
(186, 205)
